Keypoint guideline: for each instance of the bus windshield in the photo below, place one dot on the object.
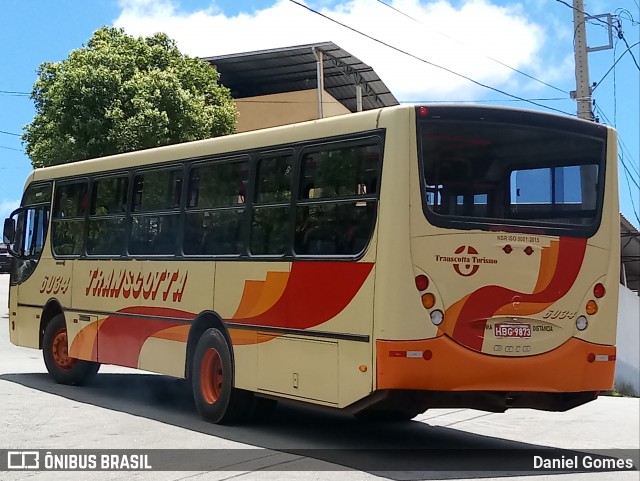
(479, 173)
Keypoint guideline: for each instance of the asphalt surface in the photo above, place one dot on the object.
(138, 411)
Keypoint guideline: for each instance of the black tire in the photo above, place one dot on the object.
(62, 368)
(212, 380)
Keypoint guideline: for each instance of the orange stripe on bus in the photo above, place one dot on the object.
(250, 295)
(451, 314)
(261, 296)
(245, 337)
(522, 309)
(548, 263)
(315, 293)
(82, 346)
(565, 369)
(175, 333)
(469, 325)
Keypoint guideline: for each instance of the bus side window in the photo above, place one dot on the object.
(155, 212)
(106, 235)
(217, 195)
(69, 207)
(336, 202)
(270, 223)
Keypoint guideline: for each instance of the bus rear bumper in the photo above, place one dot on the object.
(441, 364)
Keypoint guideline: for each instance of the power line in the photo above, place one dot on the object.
(633, 204)
(486, 56)
(9, 133)
(625, 149)
(11, 148)
(628, 15)
(618, 28)
(627, 174)
(614, 64)
(404, 52)
(631, 52)
(427, 101)
(14, 93)
(621, 144)
(626, 169)
(586, 14)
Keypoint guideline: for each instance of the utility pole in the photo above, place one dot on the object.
(583, 89)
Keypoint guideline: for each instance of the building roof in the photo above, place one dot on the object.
(292, 69)
(630, 253)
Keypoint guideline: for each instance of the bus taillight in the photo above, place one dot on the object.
(592, 307)
(582, 323)
(599, 291)
(428, 300)
(422, 282)
(437, 317)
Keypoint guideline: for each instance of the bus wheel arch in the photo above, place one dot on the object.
(50, 311)
(212, 374)
(55, 350)
(205, 320)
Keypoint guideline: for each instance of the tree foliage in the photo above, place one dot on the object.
(119, 93)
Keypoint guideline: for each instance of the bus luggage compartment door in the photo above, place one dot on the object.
(298, 368)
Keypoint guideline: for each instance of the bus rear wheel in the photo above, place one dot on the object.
(217, 401)
(63, 368)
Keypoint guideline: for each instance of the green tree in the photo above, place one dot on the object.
(119, 93)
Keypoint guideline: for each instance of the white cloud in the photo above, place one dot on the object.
(459, 38)
(8, 206)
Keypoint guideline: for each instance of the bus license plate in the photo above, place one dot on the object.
(512, 330)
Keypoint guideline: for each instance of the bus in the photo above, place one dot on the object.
(381, 263)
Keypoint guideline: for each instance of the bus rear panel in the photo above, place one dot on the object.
(511, 299)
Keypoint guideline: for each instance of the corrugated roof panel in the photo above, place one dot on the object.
(291, 69)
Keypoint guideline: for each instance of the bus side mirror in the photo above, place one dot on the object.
(9, 231)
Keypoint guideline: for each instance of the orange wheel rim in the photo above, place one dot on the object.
(60, 350)
(211, 376)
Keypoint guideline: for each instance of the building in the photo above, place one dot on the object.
(306, 82)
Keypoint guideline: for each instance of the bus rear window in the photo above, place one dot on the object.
(478, 174)
(561, 194)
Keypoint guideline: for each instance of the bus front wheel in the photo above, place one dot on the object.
(216, 399)
(55, 350)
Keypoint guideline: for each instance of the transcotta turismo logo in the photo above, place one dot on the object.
(466, 261)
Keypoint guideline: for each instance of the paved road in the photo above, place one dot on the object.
(133, 410)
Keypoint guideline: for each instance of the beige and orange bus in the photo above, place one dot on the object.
(382, 263)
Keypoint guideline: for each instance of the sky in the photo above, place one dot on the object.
(506, 49)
